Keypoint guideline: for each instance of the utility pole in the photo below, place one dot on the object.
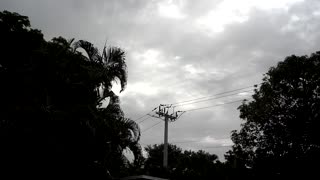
(163, 112)
(165, 147)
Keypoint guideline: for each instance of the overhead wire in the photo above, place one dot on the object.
(144, 119)
(151, 127)
(195, 109)
(146, 114)
(231, 102)
(204, 97)
(198, 100)
(183, 104)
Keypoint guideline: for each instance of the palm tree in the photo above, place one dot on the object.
(111, 65)
(115, 132)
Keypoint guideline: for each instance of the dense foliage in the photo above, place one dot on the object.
(182, 164)
(280, 133)
(52, 123)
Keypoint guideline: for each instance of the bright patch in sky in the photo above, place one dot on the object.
(292, 24)
(116, 87)
(244, 94)
(192, 70)
(151, 58)
(177, 57)
(237, 11)
(316, 13)
(222, 142)
(148, 57)
(170, 9)
(218, 73)
(143, 88)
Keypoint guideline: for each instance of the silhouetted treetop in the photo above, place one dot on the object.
(280, 133)
(182, 164)
(14, 22)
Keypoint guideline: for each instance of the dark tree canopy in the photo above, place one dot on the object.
(51, 120)
(280, 133)
(182, 164)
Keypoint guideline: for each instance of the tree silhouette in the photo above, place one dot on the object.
(52, 123)
(279, 136)
(182, 164)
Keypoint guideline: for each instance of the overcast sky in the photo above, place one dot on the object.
(178, 50)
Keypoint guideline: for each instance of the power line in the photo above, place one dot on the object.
(151, 126)
(144, 120)
(217, 94)
(142, 116)
(232, 102)
(145, 114)
(182, 104)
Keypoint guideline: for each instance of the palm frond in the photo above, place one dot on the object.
(104, 54)
(112, 59)
(115, 59)
(92, 52)
(70, 41)
(134, 128)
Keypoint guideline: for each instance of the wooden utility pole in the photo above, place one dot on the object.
(163, 112)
